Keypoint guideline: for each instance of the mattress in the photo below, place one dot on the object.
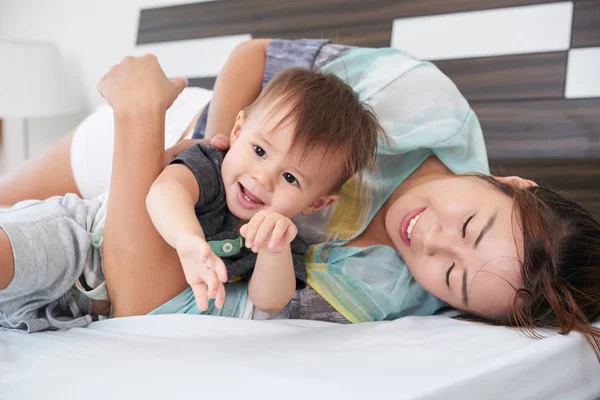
(185, 356)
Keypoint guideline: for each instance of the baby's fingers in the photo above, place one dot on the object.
(278, 236)
(218, 266)
(205, 252)
(220, 298)
(252, 227)
(263, 233)
(221, 271)
(201, 295)
(213, 283)
(290, 233)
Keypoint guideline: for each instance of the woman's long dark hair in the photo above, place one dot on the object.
(561, 264)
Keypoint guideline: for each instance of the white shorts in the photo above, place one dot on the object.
(93, 139)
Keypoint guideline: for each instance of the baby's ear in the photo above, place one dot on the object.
(237, 128)
(320, 203)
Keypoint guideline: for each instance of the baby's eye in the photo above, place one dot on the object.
(259, 151)
(290, 178)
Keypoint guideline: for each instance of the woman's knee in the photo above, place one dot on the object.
(7, 262)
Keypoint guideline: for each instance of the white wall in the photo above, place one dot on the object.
(92, 35)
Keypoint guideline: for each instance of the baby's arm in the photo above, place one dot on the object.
(171, 201)
(170, 204)
(273, 281)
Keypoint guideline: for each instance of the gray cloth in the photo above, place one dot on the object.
(217, 222)
(306, 304)
(51, 242)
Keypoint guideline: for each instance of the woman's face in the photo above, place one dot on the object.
(460, 242)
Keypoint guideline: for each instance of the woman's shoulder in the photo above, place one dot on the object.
(418, 106)
(371, 70)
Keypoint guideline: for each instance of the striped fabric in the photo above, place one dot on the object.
(373, 283)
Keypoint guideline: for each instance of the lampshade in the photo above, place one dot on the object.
(34, 81)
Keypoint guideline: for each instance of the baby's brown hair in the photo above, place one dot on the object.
(328, 114)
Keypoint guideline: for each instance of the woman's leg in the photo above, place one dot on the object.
(7, 263)
(142, 271)
(80, 162)
(48, 175)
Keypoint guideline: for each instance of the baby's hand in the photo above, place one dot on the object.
(204, 271)
(267, 227)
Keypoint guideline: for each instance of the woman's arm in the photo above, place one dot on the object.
(239, 83)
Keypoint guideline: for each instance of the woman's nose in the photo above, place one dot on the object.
(438, 240)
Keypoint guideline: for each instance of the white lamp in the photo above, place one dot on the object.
(34, 83)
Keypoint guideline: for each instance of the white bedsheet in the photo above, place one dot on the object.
(185, 356)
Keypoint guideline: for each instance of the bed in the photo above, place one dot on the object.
(438, 357)
(183, 356)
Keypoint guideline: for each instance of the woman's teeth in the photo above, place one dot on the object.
(411, 225)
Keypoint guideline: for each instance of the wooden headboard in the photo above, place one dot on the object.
(530, 127)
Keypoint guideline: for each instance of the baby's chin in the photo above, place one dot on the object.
(239, 211)
(235, 209)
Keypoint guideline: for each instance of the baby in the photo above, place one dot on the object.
(228, 216)
(291, 151)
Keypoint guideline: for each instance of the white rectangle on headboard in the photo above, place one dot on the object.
(513, 30)
(583, 73)
(193, 58)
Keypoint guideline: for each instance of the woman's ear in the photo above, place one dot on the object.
(237, 128)
(516, 181)
(320, 203)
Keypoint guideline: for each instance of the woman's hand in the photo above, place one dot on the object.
(139, 84)
(219, 141)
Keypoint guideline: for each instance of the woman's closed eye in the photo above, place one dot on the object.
(291, 179)
(447, 281)
(464, 233)
(465, 224)
(259, 151)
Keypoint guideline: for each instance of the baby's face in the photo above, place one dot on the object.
(262, 171)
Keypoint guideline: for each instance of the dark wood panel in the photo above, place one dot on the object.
(360, 22)
(339, 20)
(586, 24)
(577, 179)
(541, 129)
(206, 83)
(371, 34)
(532, 76)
